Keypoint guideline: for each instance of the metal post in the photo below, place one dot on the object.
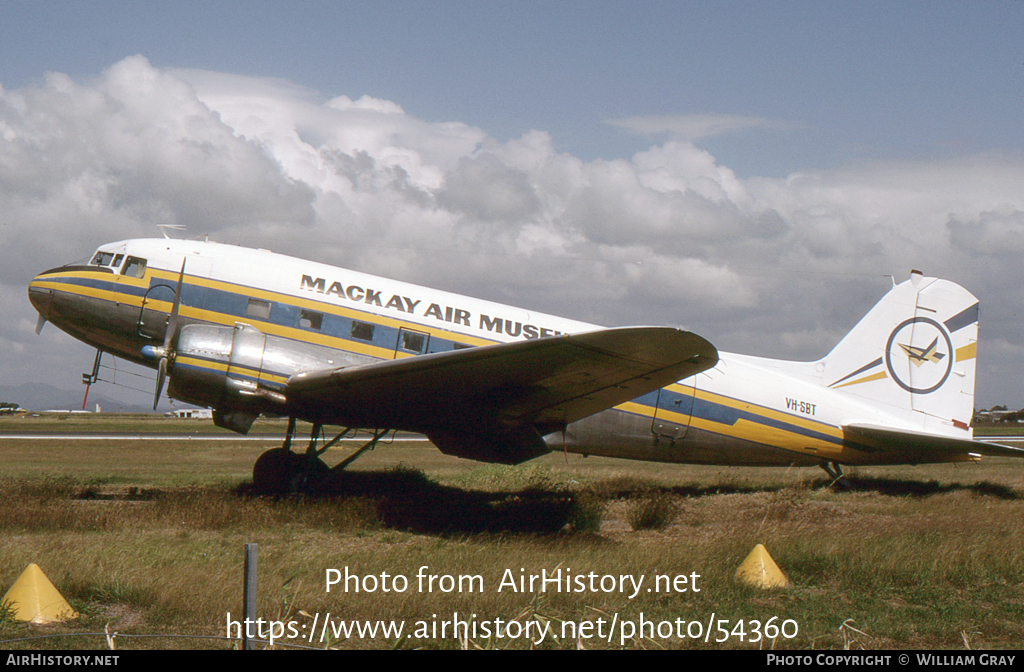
(249, 597)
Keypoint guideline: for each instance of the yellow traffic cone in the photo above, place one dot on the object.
(33, 598)
(761, 571)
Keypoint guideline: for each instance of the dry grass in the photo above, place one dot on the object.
(147, 538)
(653, 510)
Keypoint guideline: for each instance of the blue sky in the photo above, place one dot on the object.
(851, 81)
(756, 172)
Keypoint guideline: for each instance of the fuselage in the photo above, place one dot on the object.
(744, 411)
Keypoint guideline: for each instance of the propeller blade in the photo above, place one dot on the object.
(161, 372)
(172, 319)
(169, 333)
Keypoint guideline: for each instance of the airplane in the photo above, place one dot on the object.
(249, 332)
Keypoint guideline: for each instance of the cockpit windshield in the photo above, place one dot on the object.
(102, 259)
(133, 266)
(107, 259)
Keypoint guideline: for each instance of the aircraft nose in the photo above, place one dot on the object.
(41, 297)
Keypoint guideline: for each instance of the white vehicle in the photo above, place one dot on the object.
(247, 332)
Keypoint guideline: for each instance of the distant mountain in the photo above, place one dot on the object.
(43, 397)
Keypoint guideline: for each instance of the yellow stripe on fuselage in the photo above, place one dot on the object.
(763, 411)
(647, 411)
(771, 414)
(780, 438)
(91, 292)
(323, 307)
(751, 430)
(292, 333)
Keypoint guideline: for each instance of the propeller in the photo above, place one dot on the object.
(164, 352)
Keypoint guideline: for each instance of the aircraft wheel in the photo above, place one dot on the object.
(311, 475)
(276, 472)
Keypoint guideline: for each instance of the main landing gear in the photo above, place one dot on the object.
(281, 472)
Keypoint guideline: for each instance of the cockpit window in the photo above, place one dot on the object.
(134, 267)
(102, 259)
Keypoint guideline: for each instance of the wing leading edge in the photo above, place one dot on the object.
(495, 402)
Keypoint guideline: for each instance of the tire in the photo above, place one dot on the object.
(276, 472)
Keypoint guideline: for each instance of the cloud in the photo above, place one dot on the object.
(693, 127)
(116, 157)
(776, 267)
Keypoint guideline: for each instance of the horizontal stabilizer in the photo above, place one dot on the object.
(919, 446)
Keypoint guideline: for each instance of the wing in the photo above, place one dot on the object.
(492, 401)
(918, 446)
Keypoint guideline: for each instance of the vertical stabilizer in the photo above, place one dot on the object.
(914, 353)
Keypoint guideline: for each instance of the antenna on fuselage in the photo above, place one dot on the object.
(163, 228)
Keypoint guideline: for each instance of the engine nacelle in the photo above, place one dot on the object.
(240, 371)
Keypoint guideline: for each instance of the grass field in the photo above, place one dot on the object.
(146, 538)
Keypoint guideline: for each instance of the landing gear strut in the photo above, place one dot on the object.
(835, 472)
(281, 472)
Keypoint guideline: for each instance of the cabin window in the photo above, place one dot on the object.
(413, 341)
(461, 346)
(134, 267)
(258, 308)
(117, 261)
(310, 319)
(362, 330)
